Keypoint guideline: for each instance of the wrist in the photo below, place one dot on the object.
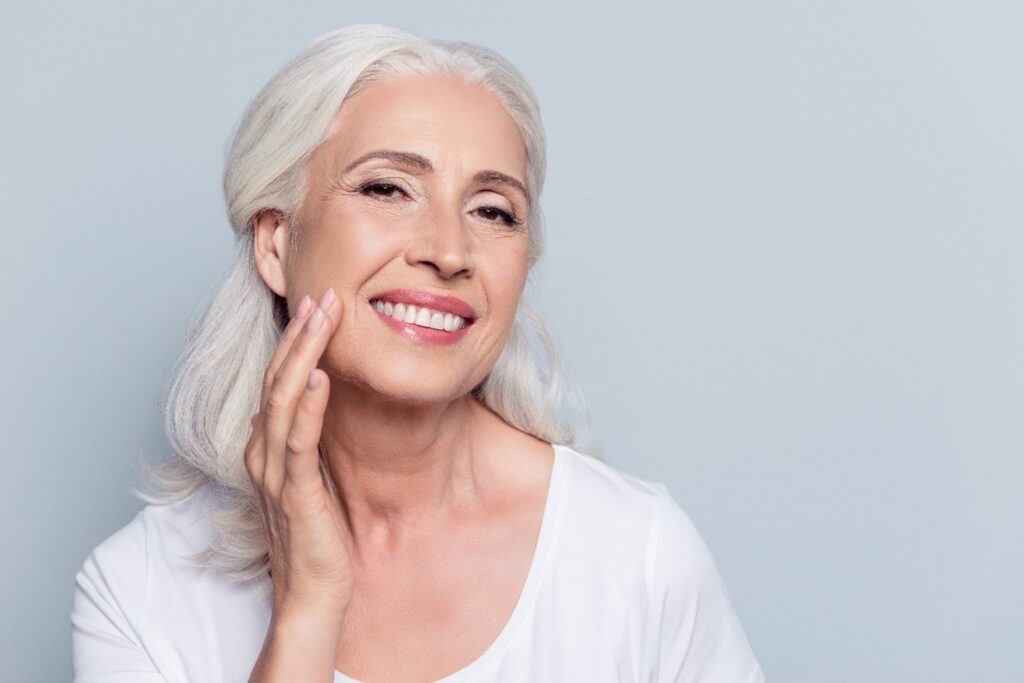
(302, 618)
(300, 645)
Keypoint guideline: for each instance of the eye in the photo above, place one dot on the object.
(381, 190)
(496, 215)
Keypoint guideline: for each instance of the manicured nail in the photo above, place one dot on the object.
(315, 321)
(313, 381)
(327, 298)
(303, 307)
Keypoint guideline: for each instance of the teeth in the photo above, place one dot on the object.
(421, 316)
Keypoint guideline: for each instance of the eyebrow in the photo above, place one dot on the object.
(423, 165)
(420, 163)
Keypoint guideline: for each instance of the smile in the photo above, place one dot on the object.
(420, 316)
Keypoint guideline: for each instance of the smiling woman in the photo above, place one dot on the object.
(376, 476)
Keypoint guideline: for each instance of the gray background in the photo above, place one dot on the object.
(784, 260)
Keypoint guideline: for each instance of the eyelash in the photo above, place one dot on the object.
(509, 219)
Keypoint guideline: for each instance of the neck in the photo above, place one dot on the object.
(397, 464)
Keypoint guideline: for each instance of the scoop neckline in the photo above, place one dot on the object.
(546, 537)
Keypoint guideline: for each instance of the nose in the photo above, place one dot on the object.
(442, 242)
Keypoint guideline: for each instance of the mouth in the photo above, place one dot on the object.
(424, 316)
(421, 316)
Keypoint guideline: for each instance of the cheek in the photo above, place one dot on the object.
(346, 248)
(508, 271)
(505, 276)
(368, 234)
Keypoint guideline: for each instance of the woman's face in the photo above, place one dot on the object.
(419, 194)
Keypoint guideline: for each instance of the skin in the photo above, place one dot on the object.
(414, 574)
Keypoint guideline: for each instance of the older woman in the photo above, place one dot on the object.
(375, 478)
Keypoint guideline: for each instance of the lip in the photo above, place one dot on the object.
(426, 335)
(438, 302)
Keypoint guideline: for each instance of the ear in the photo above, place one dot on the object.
(270, 247)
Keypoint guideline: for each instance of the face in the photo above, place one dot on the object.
(417, 199)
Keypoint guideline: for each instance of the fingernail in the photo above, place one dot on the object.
(315, 321)
(327, 298)
(313, 381)
(303, 307)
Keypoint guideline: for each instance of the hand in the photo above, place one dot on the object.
(308, 538)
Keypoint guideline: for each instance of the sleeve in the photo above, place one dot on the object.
(696, 634)
(109, 595)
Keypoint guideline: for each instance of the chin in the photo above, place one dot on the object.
(414, 385)
(421, 395)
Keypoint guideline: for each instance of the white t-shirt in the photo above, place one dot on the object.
(621, 588)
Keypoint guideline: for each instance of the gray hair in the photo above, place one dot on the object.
(216, 383)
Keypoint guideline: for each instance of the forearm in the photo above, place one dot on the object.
(298, 647)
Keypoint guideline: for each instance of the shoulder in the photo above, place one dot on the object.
(610, 517)
(693, 631)
(607, 490)
(115, 586)
(181, 525)
(624, 500)
(124, 560)
(148, 597)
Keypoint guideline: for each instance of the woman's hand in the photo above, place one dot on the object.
(308, 538)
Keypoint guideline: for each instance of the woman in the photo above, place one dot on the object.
(413, 501)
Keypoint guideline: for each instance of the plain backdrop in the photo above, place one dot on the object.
(785, 259)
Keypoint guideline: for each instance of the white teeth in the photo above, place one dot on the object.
(418, 315)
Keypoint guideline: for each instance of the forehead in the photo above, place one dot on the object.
(452, 122)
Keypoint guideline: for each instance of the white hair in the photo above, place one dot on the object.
(216, 383)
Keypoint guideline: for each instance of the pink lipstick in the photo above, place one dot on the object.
(421, 297)
(455, 311)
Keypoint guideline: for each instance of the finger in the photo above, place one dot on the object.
(253, 454)
(302, 454)
(291, 332)
(255, 459)
(284, 344)
(288, 385)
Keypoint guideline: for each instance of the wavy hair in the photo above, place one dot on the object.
(215, 385)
